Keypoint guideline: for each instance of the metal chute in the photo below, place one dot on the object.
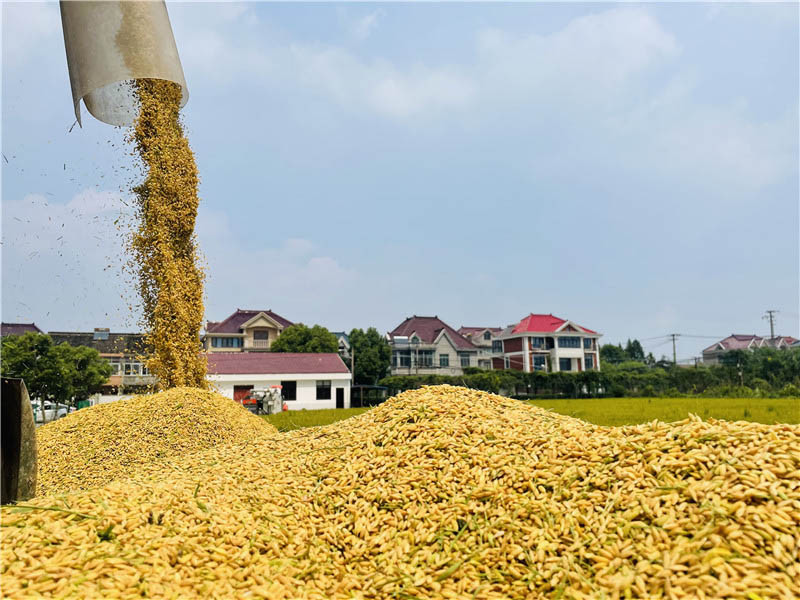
(111, 44)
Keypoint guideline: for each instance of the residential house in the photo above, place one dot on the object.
(7, 329)
(244, 331)
(124, 351)
(735, 341)
(429, 346)
(546, 343)
(306, 380)
(482, 338)
(343, 340)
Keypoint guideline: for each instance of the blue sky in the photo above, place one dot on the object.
(633, 168)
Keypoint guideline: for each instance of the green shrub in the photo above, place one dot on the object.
(728, 391)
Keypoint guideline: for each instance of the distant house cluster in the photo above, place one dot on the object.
(737, 341)
(538, 342)
(238, 357)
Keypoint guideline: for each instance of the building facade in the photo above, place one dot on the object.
(737, 341)
(244, 331)
(482, 337)
(429, 346)
(307, 381)
(343, 341)
(546, 343)
(125, 352)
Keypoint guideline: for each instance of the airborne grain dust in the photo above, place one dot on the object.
(163, 248)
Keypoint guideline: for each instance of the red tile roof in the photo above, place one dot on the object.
(273, 363)
(18, 328)
(428, 329)
(234, 323)
(543, 324)
(738, 341)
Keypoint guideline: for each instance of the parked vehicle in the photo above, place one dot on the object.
(52, 411)
(263, 401)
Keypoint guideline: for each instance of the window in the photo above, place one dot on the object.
(487, 335)
(464, 356)
(323, 389)
(404, 358)
(588, 361)
(425, 358)
(262, 335)
(226, 342)
(587, 343)
(116, 367)
(569, 342)
(444, 360)
(537, 342)
(289, 390)
(100, 334)
(539, 363)
(133, 367)
(506, 362)
(565, 364)
(497, 346)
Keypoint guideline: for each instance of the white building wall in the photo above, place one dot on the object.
(574, 353)
(306, 387)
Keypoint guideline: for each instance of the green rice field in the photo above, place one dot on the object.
(606, 411)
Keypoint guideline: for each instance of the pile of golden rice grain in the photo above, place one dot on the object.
(96, 445)
(441, 492)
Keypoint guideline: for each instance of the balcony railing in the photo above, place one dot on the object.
(260, 344)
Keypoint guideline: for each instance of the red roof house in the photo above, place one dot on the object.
(738, 341)
(428, 345)
(545, 342)
(305, 381)
(244, 330)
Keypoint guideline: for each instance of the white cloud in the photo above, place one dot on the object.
(361, 27)
(291, 277)
(594, 57)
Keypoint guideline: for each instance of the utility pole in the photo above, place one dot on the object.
(674, 350)
(770, 316)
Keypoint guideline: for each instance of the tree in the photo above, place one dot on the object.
(87, 370)
(634, 351)
(61, 374)
(373, 356)
(301, 338)
(611, 354)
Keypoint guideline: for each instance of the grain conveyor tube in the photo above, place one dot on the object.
(110, 44)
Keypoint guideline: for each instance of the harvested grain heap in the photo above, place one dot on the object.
(96, 445)
(441, 492)
(163, 248)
